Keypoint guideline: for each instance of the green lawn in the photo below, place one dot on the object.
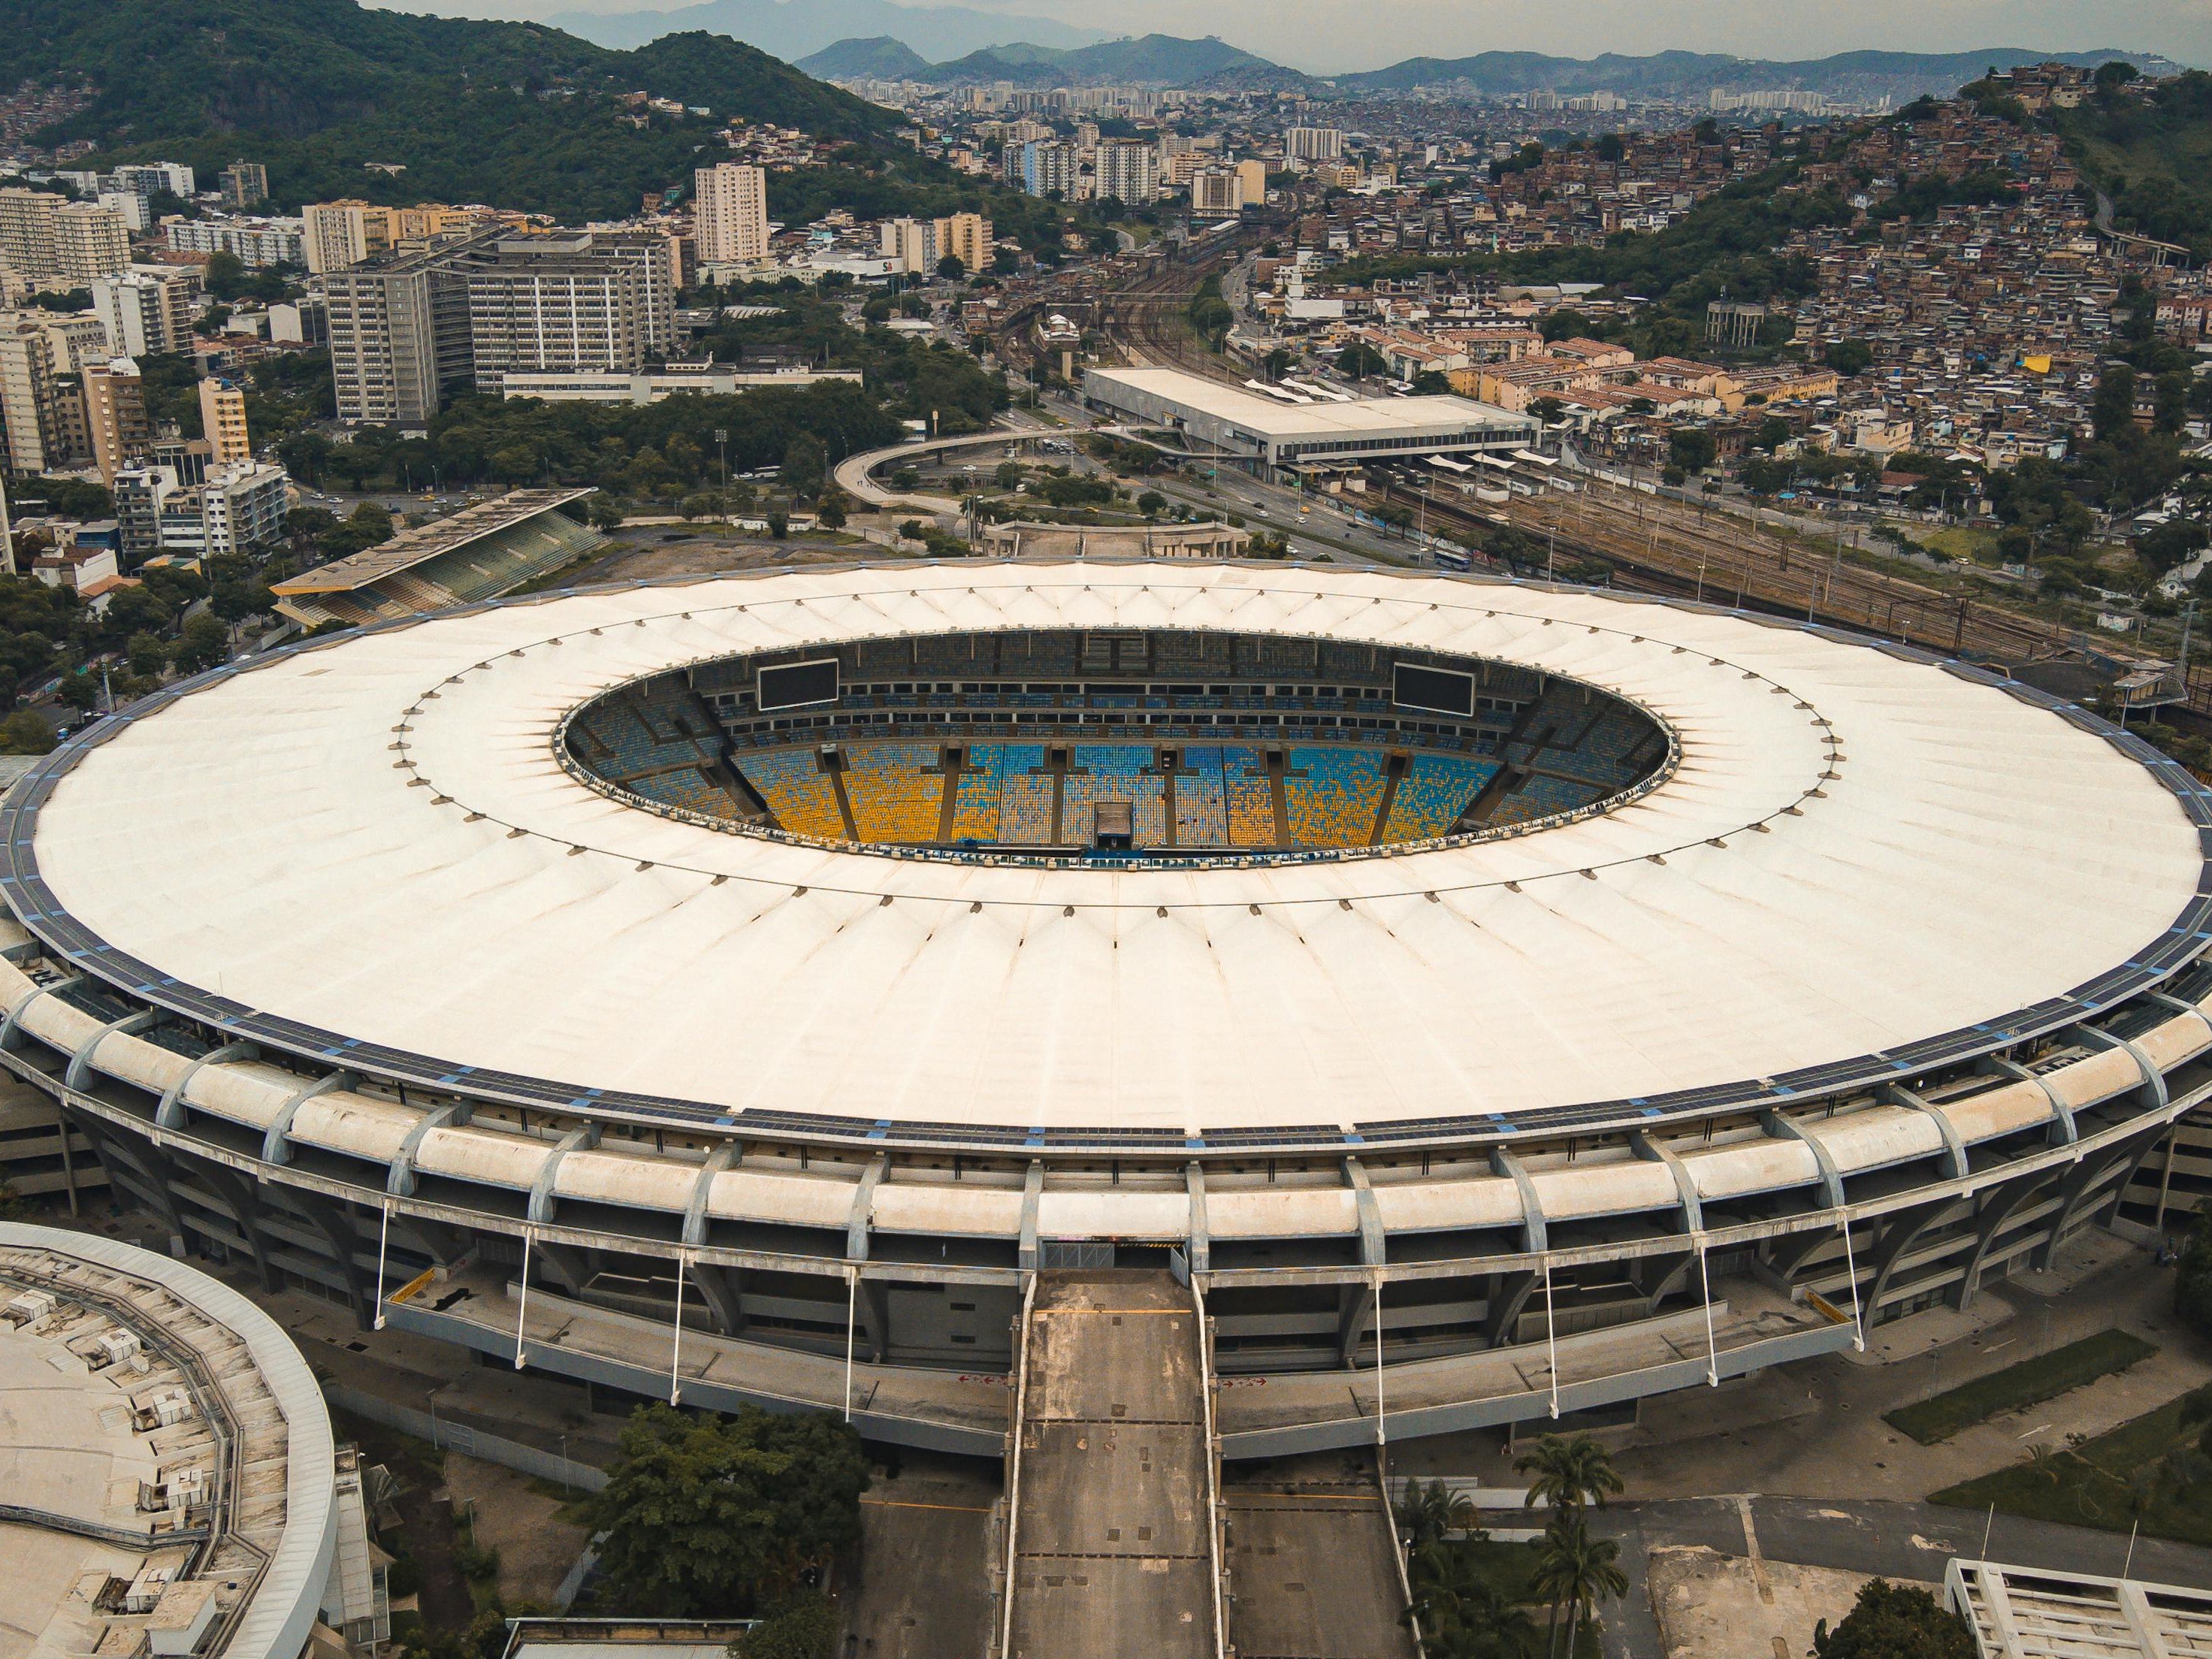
(1974, 545)
(2044, 1378)
(2140, 1471)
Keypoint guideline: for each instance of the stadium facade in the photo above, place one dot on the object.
(612, 981)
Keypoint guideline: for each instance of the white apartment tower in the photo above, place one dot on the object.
(1313, 143)
(730, 214)
(1129, 173)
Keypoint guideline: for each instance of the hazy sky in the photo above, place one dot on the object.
(1324, 36)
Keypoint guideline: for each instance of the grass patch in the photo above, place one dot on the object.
(1506, 1569)
(2044, 1378)
(2149, 1469)
(1969, 544)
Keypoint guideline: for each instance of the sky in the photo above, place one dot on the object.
(1326, 36)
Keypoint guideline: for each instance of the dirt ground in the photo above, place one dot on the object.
(1711, 1606)
(523, 1520)
(649, 553)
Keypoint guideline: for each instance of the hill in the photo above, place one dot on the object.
(2151, 153)
(794, 31)
(1688, 74)
(878, 57)
(516, 114)
(1162, 60)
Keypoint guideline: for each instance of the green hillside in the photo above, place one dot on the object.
(514, 115)
(2152, 154)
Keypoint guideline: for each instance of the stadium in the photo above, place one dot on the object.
(1498, 1002)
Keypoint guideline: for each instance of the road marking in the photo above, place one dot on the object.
(1751, 1549)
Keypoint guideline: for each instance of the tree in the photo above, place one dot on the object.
(1008, 476)
(1462, 1615)
(805, 1627)
(1893, 1621)
(2192, 1279)
(1549, 411)
(1574, 1571)
(709, 1517)
(804, 462)
(224, 277)
(952, 268)
(1151, 503)
(1359, 360)
(204, 643)
(26, 732)
(1692, 448)
(1568, 1474)
(2112, 408)
(1849, 357)
(829, 511)
(1426, 1513)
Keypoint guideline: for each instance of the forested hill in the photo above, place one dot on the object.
(2150, 149)
(516, 114)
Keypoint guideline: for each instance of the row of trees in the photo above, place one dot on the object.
(1463, 1610)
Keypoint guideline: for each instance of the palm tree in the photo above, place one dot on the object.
(1574, 1571)
(1568, 1473)
(1462, 1615)
(1426, 1513)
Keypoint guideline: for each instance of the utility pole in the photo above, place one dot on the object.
(722, 443)
(7, 530)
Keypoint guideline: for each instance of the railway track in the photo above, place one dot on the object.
(1719, 559)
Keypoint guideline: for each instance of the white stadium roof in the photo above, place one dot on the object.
(373, 838)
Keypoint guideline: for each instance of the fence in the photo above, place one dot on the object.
(467, 1441)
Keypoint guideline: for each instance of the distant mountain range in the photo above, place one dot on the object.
(1210, 63)
(791, 29)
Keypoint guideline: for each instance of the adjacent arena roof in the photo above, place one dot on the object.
(1866, 864)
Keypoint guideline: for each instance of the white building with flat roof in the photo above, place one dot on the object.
(1280, 428)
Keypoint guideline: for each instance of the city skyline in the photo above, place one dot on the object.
(1325, 37)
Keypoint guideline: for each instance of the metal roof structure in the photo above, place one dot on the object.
(425, 542)
(2032, 1613)
(66, 1458)
(1866, 864)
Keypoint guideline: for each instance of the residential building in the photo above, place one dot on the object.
(256, 243)
(1215, 194)
(1313, 143)
(235, 509)
(1129, 173)
(244, 184)
(144, 314)
(967, 238)
(76, 338)
(1049, 168)
(28, 409)
(115, 415)
(1251, 183)
(577, 301)
(303, 321)
(399, 331)
(90, 242)
(337, 234)
(222, 422)
(408, 326)
(911, 244)
(730, 214)
(50, 240)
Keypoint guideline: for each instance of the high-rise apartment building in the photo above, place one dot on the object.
(911, 245)
(244, 184)
(399, 332)
(1313, 143)
(409, 326)
(1049, 168)
(578, 300)
(47, 239)
(255, 242)
(1251, 183)
(143, 315)
(115, 415)
(1129, 173)
(730, 214)
(222, 422)
(967, 237)
(29, 418)
(1214, 193)
(337, 234)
